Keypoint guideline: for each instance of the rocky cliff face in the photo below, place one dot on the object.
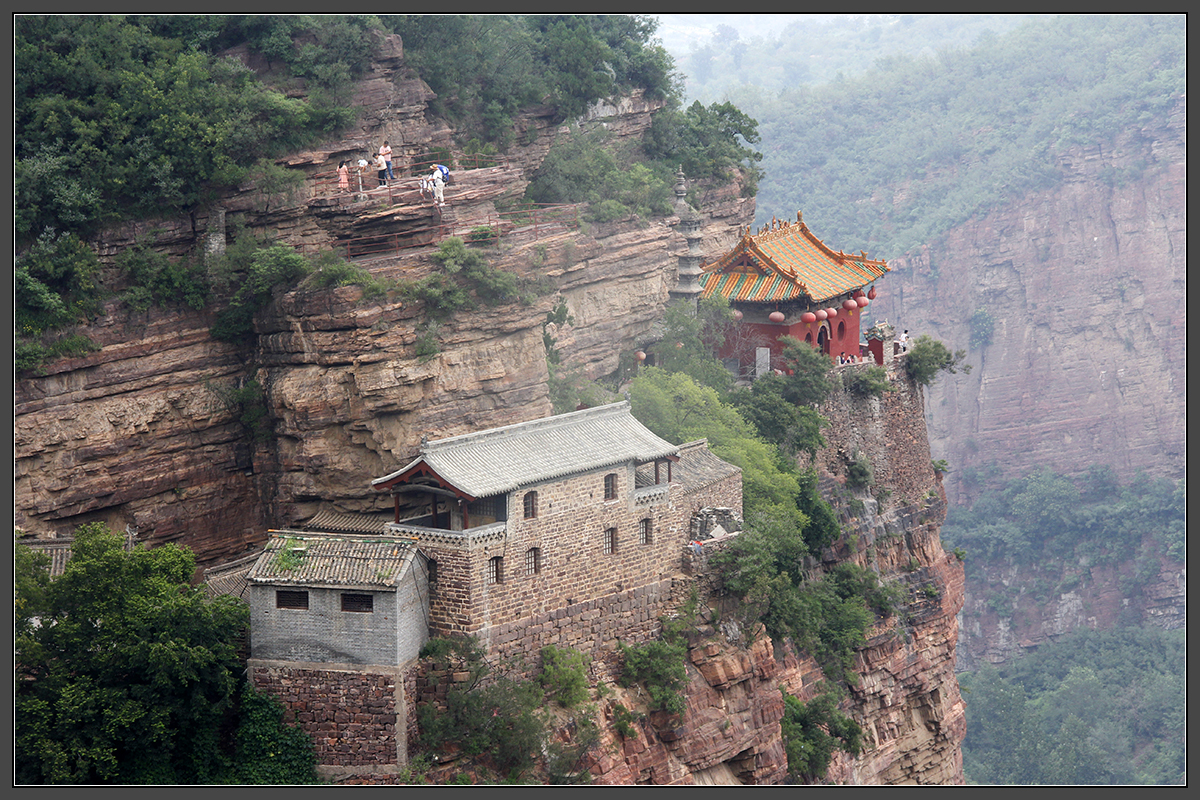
(1013, 609)
(143, 434)
(906, 699)
(148, 432)
(1086, 285)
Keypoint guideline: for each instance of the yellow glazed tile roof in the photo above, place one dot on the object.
(785, 261)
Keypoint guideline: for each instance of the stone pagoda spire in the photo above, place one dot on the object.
(687, 286)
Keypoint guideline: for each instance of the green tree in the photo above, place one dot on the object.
(679, 410)
(807, 381)
(129, 675)
(927, 357)
(812, 731)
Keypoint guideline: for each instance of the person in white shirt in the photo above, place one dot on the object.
(439, 186)
(902, 340)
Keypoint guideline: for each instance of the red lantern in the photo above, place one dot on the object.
(850, 305)
(871, 294)
(777, 317)
(737, 315)
(832, 312)
(859, 293)
(641, 356)
(808, 317)
(822, 314)
(863, 302)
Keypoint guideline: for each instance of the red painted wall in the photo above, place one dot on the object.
(751, 335)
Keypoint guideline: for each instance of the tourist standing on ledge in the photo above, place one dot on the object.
(439, 187)
(385, 153)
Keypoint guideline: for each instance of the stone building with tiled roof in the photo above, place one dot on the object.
(784, 281)
(573, 531)
(562, 515)
(345, 598)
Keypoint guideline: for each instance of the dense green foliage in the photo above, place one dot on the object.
(1096, 707)
(499, 720)
(659, 666)
(268, 268)
(485, 68)
(812, 731)
(1092, 520)
(564, 675)
(129, 115)
(710, 144)
(961, 131)
(867, 382)
(927, 357)
(126, 674)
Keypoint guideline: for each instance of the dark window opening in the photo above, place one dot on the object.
(495, 570)
(364, 603)
(533, 561)
(610, 486)
(285, 598)
(610, 541)
(644, 532)
(530, 505)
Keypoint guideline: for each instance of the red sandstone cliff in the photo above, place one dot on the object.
(138, 434)
(1086, 283)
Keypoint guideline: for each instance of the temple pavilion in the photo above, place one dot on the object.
(784, 281)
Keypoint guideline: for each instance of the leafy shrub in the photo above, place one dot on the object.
(660, 667)
(269, 267)
(623, 720)
(488, 714)
(812, 731)
(55, 283)
(156, 279)
(982, 326)
(859, 473)
(29, 355)
(868, 382)
(266, 749)
(564, 675)
(927, 357)
(331, 271)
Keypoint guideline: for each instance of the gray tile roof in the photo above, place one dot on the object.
(699, 467)
(504, 459)
(333, 560)
(328, 520)
(230, 577)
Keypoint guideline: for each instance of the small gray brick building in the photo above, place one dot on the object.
(336, 598)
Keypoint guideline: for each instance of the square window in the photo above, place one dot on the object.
(287, 598)
(362, 603)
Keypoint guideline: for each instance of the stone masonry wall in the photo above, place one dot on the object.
(569, 532)
(889, 431)
(349, 711)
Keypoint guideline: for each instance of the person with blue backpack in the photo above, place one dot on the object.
(439, 177)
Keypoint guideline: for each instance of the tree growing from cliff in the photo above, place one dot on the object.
(813, 731)
(127, 674)
(927, 357)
